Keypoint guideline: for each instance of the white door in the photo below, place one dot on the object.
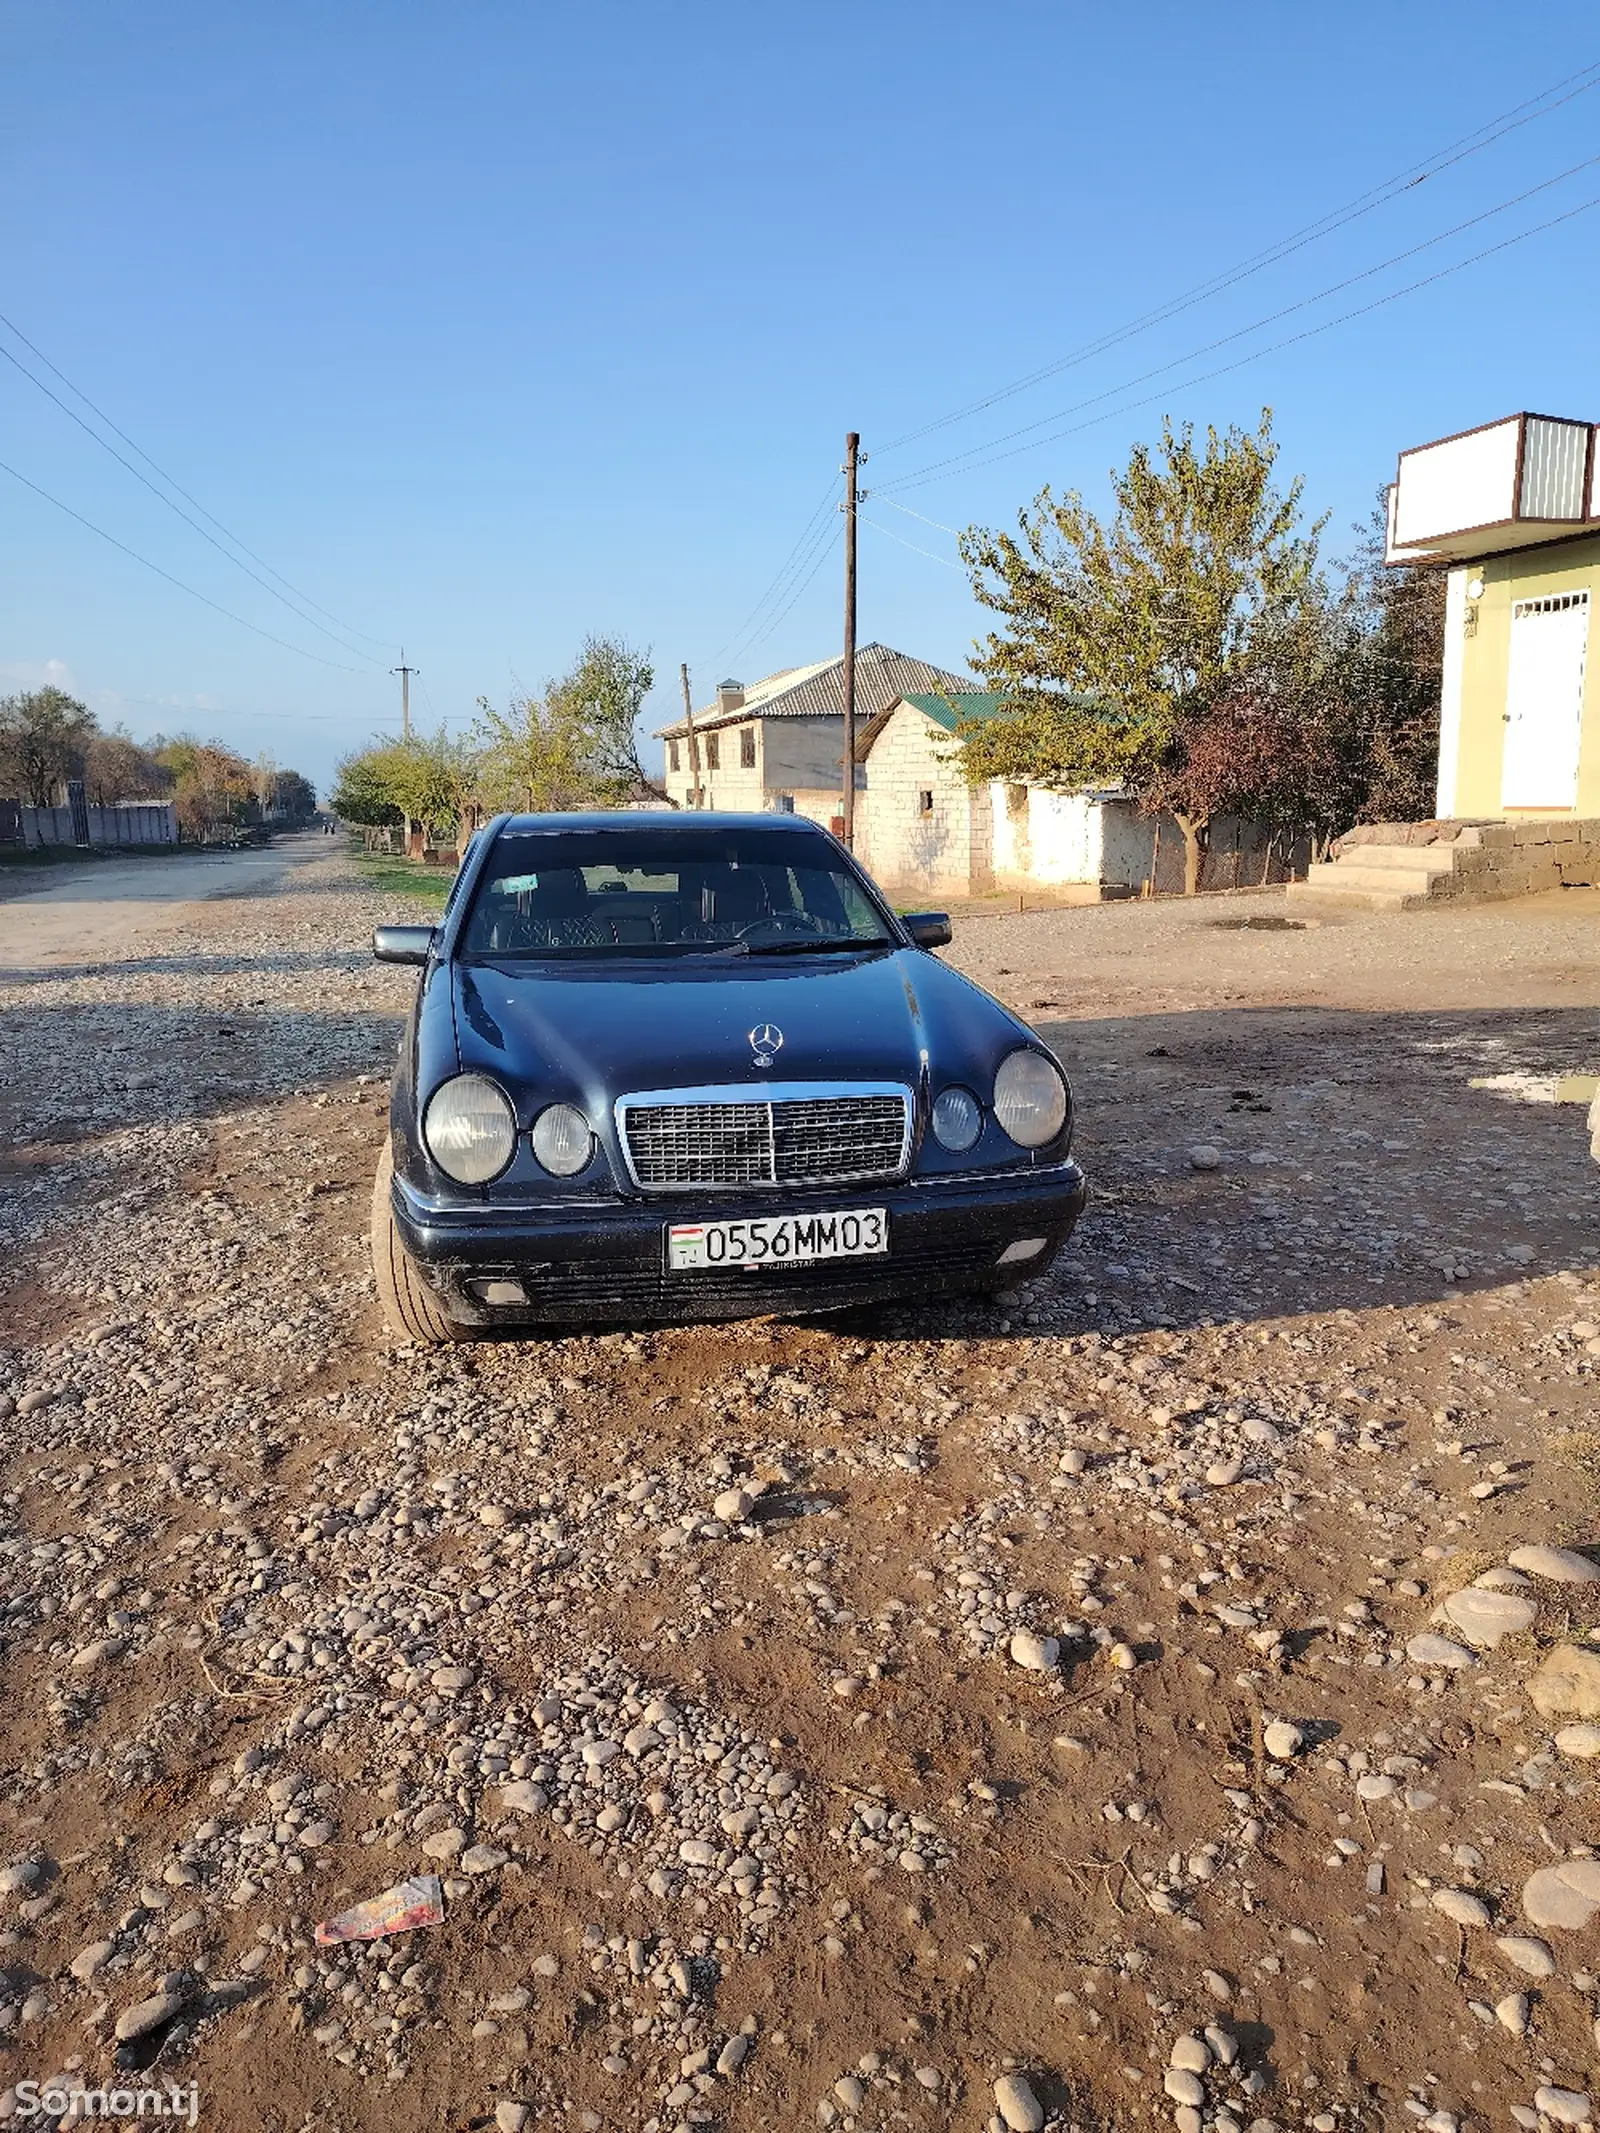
(1544, 701)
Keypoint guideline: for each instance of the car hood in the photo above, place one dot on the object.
(570, 1031)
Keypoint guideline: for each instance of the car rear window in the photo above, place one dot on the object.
(655, 891)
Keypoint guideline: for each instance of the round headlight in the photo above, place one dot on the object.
(957, 1119)
(470, 1129)
(1030, 1099)
(562, 1140)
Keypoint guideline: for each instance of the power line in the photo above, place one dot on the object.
(890, 535)
(1469, 144)
(171, 580)
(102, 416)
(736, 641)
(987, 449)
(833, 536)
(1291, 340)
(171, 506)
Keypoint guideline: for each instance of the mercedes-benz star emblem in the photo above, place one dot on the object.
(766, 1041)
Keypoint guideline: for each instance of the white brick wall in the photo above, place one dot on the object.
(945, 851)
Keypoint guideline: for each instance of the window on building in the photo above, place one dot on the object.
(672, 755)
(711, 752)
(924, 803)
(747, 747)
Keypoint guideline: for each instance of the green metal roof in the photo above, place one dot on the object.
(959, 704)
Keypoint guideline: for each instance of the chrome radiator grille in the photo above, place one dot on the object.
(725, 1139)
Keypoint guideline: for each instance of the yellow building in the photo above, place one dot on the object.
(1512, 510)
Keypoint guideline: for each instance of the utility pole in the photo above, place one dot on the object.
(694, 742)
(852, 460)
(405, 673)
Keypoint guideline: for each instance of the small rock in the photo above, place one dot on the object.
(482, 1859)
(1184, 2087)
(1191, 2054)
(88, 1961)
(1512, 2013)
(1562, 1566)
(850, 2092)
(1040, 1655)
(511, 2117)
(1432, 1651)
(1374, 1785)
(1018, 2105)
(451, 1680)
(732, 2055)
(1528, 1955)
(1580, 1741)
(1205, 1158)
(524, 1798)
(1485, 1617)
(1566, 1896)
(1462, 1906)
(1568, 2107)
(1282, 1740)
(733, 1506)
(139, 2020)
(1225, 1473)
(1568, 1683)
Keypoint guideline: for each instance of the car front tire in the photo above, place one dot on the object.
(409, 1305)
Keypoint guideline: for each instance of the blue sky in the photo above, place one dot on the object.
(489, 324)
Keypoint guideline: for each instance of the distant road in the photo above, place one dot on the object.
(97, 911)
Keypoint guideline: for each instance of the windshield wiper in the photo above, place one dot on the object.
(825, 946)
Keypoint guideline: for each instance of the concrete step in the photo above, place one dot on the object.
(1432, 858)
(1343, 874)
(1336, 893)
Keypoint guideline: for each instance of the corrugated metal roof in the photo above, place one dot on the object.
(945, 710)
(883, 676)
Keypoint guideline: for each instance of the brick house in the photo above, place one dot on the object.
(778, 746)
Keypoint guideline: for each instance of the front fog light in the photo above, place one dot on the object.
(957, 1119)
(1030, 1099)
(470, 1129)
(562, 1140)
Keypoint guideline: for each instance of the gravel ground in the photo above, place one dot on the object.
(1130, 1702)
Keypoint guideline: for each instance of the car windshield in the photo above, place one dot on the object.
(649, 890)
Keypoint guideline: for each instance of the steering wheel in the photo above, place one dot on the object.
(784, 924)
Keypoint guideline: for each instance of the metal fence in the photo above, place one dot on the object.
(135, 822)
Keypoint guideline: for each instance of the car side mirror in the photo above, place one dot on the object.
(928, 929)
(402, 944)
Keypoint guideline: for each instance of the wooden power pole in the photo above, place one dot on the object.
(694, 742)
(852, 460)
(405, 673)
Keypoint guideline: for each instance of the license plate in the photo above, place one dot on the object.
(778, 1240)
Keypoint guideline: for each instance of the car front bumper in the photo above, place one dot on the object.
(605, 1262)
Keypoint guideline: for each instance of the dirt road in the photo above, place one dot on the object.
(103, 909)
(1080, 1709)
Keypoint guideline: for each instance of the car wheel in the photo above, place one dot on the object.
(410, 1306)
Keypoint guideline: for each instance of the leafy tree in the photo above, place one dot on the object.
(44, 735)
(361, 795)
(214, 786)
(606, 690)
(1395, 623)
(537, 754)
(294, 796)
(576, 745)
(117, 768)
(429, 778)
(1124, 638)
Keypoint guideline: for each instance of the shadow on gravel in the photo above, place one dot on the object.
(356, 958)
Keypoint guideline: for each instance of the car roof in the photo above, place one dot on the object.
(660, 819)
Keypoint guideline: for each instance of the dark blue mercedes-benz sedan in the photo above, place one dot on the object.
(693, 1066)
